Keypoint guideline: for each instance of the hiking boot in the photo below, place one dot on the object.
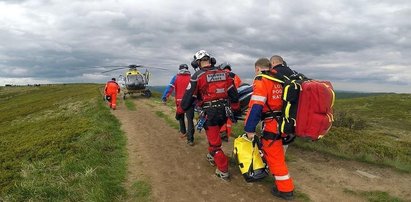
(191, 143)
(210, 159)
(182, 135)
(283, 195)
(223, 175)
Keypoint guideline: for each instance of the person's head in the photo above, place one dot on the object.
(183, 66)
(225, 66)
(202, 58)
(262, 64)
(113, 79)
(276, 60)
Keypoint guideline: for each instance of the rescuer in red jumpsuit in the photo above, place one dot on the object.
(214, 90)
(179, 84)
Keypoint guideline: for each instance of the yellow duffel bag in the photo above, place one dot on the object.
(247, 155)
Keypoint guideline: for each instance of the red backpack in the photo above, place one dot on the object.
(307, 107)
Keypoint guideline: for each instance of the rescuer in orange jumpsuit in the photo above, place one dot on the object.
(225, 131)
(265, 104)
(111, 90)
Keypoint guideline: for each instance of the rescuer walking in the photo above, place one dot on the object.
(111, 90)
(213, 88)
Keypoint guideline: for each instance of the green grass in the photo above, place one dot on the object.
(374, 196)
(59, 143)
(347, 94)
(171, 122)
(141, 191)
(130, 105)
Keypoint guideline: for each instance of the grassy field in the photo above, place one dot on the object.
(374, 129)
(59, 143)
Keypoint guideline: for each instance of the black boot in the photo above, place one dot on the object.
(283, 195)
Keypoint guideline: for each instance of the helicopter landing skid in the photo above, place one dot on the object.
(145, 92)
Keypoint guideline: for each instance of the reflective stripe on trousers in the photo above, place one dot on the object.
(284, 177)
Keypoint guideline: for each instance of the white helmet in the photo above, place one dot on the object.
(200, 54)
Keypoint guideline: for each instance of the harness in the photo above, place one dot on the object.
(271, 136)
(215, 104)
(271, 115)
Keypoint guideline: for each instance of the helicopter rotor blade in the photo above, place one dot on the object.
(128, 66)
(151, 67)
(112, 66)
(114, 69)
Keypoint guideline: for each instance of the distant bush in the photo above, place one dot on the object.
(346, 120)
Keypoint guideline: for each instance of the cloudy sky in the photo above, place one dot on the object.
(361, 45)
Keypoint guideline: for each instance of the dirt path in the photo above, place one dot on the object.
(178, 172)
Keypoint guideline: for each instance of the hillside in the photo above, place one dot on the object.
(351, 94)
(59, 143)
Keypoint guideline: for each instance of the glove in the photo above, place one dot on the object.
(288, 139)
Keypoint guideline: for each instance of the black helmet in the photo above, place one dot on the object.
(113, 79)
(225, 65)
(183, 66)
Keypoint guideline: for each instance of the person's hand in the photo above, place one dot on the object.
(288, 139)
(250, 136)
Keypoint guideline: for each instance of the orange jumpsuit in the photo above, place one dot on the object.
(112, 89)
(266, 98)
(227, 127)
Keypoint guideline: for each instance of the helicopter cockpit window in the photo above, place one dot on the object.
(135, 79)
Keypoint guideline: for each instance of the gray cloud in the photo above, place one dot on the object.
(347, 42)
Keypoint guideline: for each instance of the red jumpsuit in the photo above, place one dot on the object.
(112, 89)
(179, 83)
(213, 88)
(266, 98)
(227, 127)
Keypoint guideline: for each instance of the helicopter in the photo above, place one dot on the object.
(135, 82)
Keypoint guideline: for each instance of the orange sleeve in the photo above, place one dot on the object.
(237, 81)
(260, 94)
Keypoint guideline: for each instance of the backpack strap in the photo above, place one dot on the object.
(270, 78)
